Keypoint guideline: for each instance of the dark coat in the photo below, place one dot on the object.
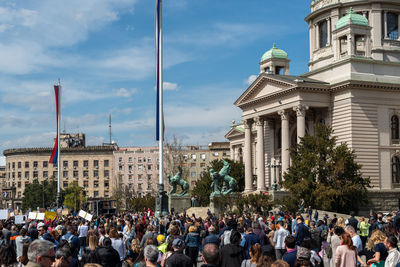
(178, 259)
(109, 257)
(301, 233)
(290, 257)
(232, 256)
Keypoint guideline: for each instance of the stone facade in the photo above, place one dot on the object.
(91, 167)
(353, 85)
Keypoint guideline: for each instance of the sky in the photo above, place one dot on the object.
(103, 53)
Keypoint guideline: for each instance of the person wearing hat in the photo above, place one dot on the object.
(162, 245)
(178, 259)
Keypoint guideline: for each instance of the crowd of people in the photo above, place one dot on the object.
(178, 240)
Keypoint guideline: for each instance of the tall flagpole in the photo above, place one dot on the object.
(58, 146)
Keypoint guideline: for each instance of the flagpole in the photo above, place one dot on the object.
(58, 145)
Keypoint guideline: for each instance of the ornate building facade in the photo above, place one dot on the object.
(353, 85)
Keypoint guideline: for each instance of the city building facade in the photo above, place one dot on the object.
(90, 166)
(353, 85)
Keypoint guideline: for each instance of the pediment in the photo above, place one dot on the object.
(234, 132)
(264, 85)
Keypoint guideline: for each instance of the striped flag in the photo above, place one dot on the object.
(55, 153)
(158, 43)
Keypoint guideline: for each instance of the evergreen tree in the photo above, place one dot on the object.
(324, 174)
(74, 196)
(42, 194)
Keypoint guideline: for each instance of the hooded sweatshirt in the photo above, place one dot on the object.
(19, 243)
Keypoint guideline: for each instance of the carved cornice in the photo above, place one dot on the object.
(70, 150)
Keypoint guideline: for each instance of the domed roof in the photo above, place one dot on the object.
(354, 18)
(274, 53)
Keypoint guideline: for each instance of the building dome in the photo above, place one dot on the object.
(352, 18)
(274, 52)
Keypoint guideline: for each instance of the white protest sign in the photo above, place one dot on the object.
(40, 216)
(3, 214)
(85, 215)
(36, 216)
(20, 219)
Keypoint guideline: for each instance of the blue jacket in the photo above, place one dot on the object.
(193, 240)
(301, 233)
(248, 241)
(290, 257)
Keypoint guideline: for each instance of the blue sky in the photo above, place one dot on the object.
(103, 51)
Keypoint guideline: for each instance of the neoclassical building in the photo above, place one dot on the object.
(353, 84)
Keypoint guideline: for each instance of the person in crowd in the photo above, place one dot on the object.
(302, 231)
(315, 234)
(279, 240)
(255, 253)
(377, 244)
(149, 235)
(82, 232)
(232, 254)
(72, 239)
(108, 255)
(364, 231)
(210, 255)
(177, 258)
(280, 263)
(41, 254)
(352, 221)
(346, 253)
(63, 256)
(193, 243)
(354, 237)
(8, 256)
(118, 243)
(291, 251)
(334, 239)
(212, 237)
(20, 240)
(250, 238)
(393, 257)
(151, 255)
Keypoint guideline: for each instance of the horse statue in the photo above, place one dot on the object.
(177, 180)
(229, 183)
(216, 190)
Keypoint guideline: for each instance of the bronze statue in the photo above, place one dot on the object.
(229, 184)
(177, 180)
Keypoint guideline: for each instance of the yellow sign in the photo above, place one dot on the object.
(50, 215)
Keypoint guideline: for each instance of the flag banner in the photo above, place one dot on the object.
(158, 47)
(54, 154)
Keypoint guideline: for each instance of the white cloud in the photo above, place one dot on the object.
(251, 79)
(33, 140)
(123, 92)
(2, 161)
(170, 86)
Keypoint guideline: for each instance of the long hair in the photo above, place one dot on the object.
(377, 237)
(8, 255)
(265, 260)
(255, 252)
(346, 240)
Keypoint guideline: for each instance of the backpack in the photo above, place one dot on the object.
(324, 234)
(226, 237)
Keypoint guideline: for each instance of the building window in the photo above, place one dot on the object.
(130, 159)
(395, 127)
(120, 168)
(202, 165)
(95, 184)
(193, 164)
(13, 175)
(106, 163)
(45, 164)
(106, 184)
(19, 164)
(193, 174)
(65, 174)
(130, 168)
(86, 174)
(35, 164)
(139, 159)
(76, 173)
(343, 46)
(19, 184)
(75, 164)
(106, 173)
(130, 176)
(139, 186)
(149, 167)
(86, 184)
(55, 174)
(65, 184)
(95, 193)
(392, 31)
(85, 163)
(45, 174)
(148, 159)
(203, 156)
(13, 165)
(35, 174)
(96, 173)
(96, 163)
(140, 176)
(396, 169)
(65, 163)
(140, 167)
(323, 33)
(26, 164)
(120, 159)
(26, 175)
(19, 174)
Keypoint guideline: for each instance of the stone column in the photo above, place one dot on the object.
(398, 27)
(301, 121)
(285, 140)
(311, 123)
(260, 157)
(236, 151)
(269, 148)
(232, 151)
(329, 31)
(248, 173)
(385, 25)
(316, 27)
(351, 47)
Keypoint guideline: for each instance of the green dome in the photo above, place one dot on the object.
(274, 53)
(354, 18)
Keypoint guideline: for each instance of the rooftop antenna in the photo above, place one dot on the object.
(109, 125)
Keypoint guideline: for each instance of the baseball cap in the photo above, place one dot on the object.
(178, 243)
(40, 224)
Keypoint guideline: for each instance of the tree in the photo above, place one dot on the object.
(325, 174)
(74, 196)
(142, 203)
(175, 156)
(123, 195)
(42, 194)
(202, 188)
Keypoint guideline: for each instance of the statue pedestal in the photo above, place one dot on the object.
(214, 207)
(179, 203)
